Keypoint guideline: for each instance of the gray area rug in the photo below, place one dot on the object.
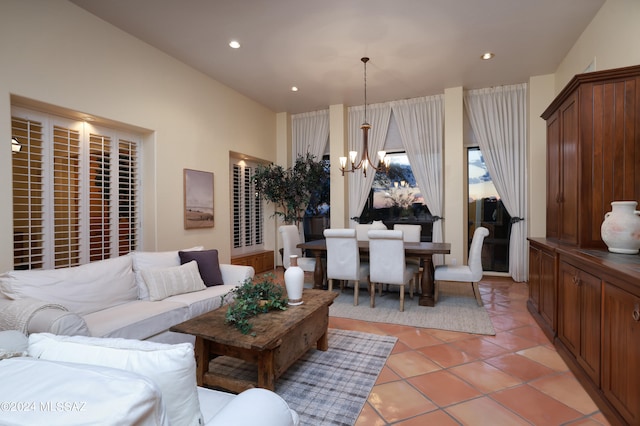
(456, 309)
(327, 388)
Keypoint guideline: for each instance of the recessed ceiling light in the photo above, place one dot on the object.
(294, 89)
(487, 55)
(234, 44)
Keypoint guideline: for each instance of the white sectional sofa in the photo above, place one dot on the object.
(78, 380)
(136, 296)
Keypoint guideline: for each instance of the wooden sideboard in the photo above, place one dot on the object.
(586, 299)
(262, 261)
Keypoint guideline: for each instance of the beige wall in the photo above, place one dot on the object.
(612, 40)
(55, 52)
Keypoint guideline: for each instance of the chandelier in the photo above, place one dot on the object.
(365, 162)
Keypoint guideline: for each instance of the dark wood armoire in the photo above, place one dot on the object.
(586, 299)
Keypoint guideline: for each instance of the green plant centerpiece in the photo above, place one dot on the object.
(254, 296)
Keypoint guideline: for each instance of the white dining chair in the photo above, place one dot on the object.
(411, 233)
(387, 263)
(343, 260)
(290, 240)
(362, 229)
(470, 273)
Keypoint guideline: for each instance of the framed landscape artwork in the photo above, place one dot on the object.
(198, 199)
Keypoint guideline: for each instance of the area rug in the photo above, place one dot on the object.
(331, 387)
(456, 310)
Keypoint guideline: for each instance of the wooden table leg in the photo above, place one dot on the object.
(201, 350)
(323, 342)
(266, 371)
(426, 298)
(318, 272)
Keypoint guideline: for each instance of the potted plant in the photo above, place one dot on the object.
(254, 296)
(292, 190)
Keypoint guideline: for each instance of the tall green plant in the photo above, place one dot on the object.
(292, 189)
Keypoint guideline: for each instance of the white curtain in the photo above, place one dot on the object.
(421, 125)
(378, 115)
(310, 133)
(498, 117)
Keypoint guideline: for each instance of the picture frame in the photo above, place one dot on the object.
(198, 199)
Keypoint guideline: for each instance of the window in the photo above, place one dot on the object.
(486, 209)
(64, 180)
(395, 198)
(247, 209)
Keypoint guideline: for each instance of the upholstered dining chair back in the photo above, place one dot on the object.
(410, 233)
(343, 256)
(475, 253)
(343, 259)
(386, 257)
(362, 230)
(290, 239)
(387, 263)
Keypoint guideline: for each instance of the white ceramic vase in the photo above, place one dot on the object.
(620, 230)
(294, 281)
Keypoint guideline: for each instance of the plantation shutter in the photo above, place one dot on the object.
(76, 191)
(128, 196)
(99, 184)
(247, 210)
(28, 188)
(66, 196)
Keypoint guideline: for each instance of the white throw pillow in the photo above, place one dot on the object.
(69, 394)
(162, 283)
(143, 260)
(81, 289)
(171, 367)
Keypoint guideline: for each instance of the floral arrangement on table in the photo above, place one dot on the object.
(254, 296)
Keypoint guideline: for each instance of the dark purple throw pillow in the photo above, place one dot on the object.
(208, 265)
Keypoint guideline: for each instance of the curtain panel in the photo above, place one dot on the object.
(378, 115)
(498, 117)
(421, 126)
(310, 134)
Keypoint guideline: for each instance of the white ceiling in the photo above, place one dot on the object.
(417, 47)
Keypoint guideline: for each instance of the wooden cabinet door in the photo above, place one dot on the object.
(590, 298)
(569, 154)
(579, 317)
(621, 352)
(553, 176)
(569, 308)
(548, 290)
(534, 277)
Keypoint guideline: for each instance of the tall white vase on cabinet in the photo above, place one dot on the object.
(294, 281)
(620, 230)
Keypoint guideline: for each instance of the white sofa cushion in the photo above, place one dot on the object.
(12, 343)
(171, 367)
(64, 394)
(143, 260)
(165, 282)
(203, 301)
(139, 319)
(81, 289)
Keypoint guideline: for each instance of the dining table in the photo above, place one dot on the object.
(423, 250)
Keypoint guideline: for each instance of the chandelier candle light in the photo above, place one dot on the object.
(365, 161)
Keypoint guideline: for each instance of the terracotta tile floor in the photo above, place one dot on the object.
(447, 378)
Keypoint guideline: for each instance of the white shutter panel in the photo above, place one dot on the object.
(66, 196)
(28, 194)
(128, 196)
(99, 186)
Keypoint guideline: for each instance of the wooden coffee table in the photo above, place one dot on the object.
(281, 338)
